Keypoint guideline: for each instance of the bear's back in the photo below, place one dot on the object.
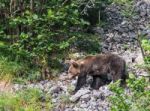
(102, 63)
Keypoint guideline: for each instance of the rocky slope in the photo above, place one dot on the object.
(120, 38)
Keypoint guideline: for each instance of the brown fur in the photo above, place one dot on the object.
(108, 66)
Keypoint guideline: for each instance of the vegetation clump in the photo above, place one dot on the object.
(24, 100)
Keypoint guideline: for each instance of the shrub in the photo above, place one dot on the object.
(137, 98)
(93, 10)
(87, 43)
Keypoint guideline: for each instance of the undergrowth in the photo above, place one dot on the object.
(25, 100)
(135, 98)
(16, 71)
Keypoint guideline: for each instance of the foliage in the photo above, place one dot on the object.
(16, 71)
(127, 7)
(93, 10)
(137, 98)
(9, 69)
(121, 2)
(40, 34)
(87, 43)
(25, 100)
(146, 47)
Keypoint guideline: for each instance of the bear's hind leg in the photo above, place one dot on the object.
(97, 82)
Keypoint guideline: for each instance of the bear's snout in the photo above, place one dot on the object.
(70, 76)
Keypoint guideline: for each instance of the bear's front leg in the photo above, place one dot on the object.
(80, 82)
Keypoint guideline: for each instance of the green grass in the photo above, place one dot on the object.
(10, 69)
(25, 100)
(16, 71)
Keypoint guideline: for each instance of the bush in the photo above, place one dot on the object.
(87, 43)
(136, 99)
(93, 10)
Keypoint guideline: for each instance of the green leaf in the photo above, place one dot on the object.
(24, 36)
(2, 43)
(35, 17)
(49, 48)
(50, 14)
(64, 45)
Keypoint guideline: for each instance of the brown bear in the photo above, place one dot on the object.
(103, 67)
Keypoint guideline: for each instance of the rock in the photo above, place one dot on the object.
(105, 91)
(64, 88)
(98, 30)
(76, 109)
(84, 105)
(132, 35)
(139, 59)
(92, 99)
(124, 22)
(136, 17)
(142, 14)
(85, 97)
(79, 94)
(131, 28)
(63, 77)
(105, 46)
(93, 103)
(17, 87)
(40, 86)
(147, 2)
(73, 82)
(110, 35)
(31, 85)
(55, 89)
(55, 95)
(47, 86)
(68, 109)
(96, 94)
(119, 29)
(148, 31)
(43, 82)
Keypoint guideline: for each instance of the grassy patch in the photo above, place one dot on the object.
(9, 69)
(25, 100)
(16, 71)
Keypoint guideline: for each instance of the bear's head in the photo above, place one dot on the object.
(74, 69)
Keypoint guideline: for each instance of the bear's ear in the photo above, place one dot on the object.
(74, 63)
